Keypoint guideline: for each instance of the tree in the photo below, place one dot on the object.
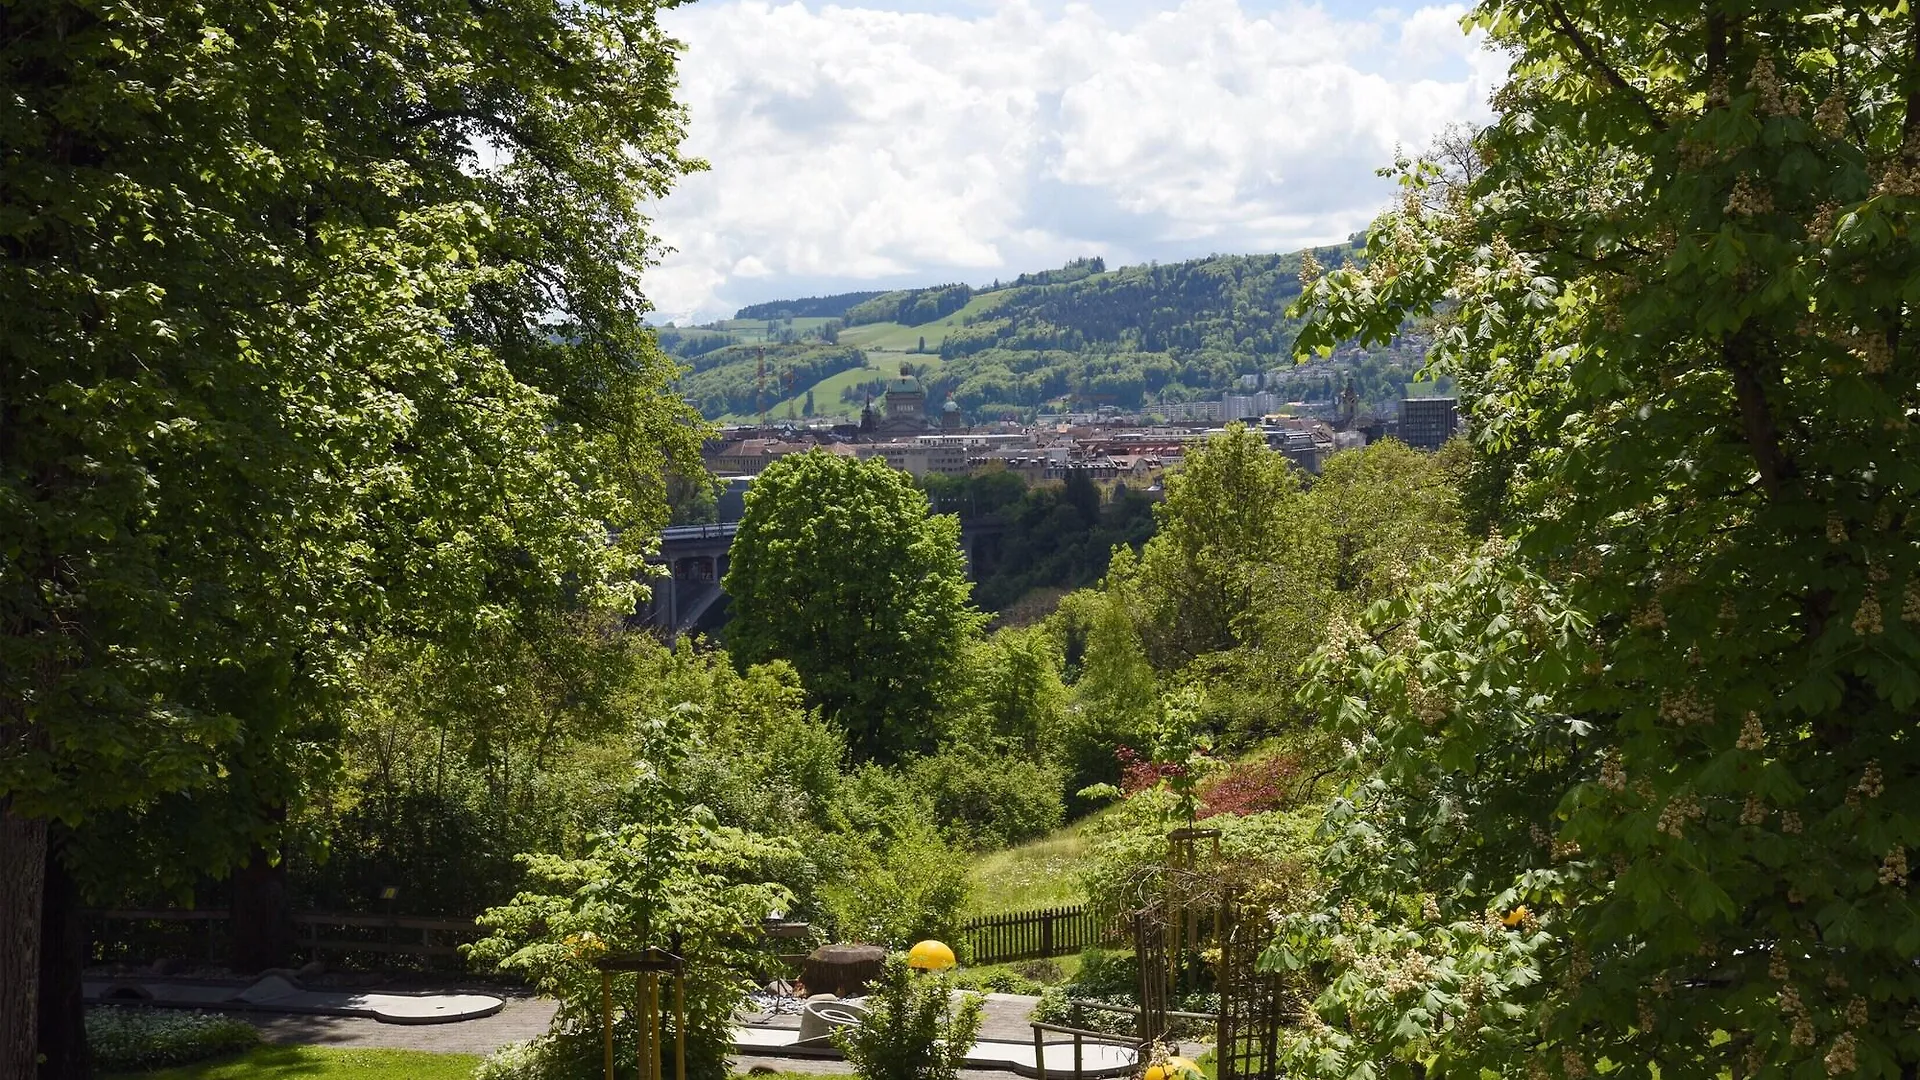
(1013, 698)
(671, 878)
(807, 408)
(839, 569)
(279, 380)
(693, 496)
(1116, 696)
(1222, 531)
(1638, 795)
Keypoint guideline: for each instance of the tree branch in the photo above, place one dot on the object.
(1592, 56)
(1740, 357)
(1912, 129)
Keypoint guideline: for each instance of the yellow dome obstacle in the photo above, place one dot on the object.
(930, 956)
(1175, 1068)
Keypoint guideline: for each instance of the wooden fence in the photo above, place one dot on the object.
(201, 935)
(1033, 935)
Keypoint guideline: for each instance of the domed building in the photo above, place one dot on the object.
(906, 402)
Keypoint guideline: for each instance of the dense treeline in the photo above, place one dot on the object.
(810, 307)
(689, 344)
(911, 307)
(1059, 535)
(1234, 303)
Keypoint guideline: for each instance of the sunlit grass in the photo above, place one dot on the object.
(1040, 873)
(320, 1063)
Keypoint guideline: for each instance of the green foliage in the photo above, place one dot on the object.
(674, 879)
(1229, 519)
(143, 1039)
(989, 800)
(1012, 699)
(895, 878)
(1126, 865)
(1116, 693)
(727, 380)
(282, 381)
(323, 1063)
(456, 761)
(839, 569)
(1056, 535)
(830, 307)
(914, 1031)
(912, 307)
(1676, 280)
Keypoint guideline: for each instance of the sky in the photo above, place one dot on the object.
(879, 144)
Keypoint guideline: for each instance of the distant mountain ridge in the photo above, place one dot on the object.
(1076, 337)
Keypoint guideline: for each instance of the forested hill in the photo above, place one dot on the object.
(1076, 337)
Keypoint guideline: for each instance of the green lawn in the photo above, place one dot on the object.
(320, 1063)
(1039, 873)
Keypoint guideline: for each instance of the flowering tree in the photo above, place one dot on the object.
(1636, 799)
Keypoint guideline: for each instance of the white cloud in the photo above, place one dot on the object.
(854, 147)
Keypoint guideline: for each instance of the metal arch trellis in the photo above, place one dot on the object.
(1253, 1003)
(1192, 906)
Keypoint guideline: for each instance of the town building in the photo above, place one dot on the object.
(1426, 423)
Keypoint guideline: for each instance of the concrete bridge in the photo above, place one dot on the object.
(689, 598)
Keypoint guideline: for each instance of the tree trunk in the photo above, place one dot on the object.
(23, 864)
(63, 960)
(262, 913)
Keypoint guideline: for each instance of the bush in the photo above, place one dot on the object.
(990, 801)
(897, 888)
(996, 980)
(1107, 973)
(912, 1032)
(125, 1040)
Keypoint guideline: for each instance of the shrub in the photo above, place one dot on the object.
(897, 887)
(1107, 973)
(990, 801)
(676, 875)
(913, 1031)
(124, 1040)
(996, 980)
(1250, 787)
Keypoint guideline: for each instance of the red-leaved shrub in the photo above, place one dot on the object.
(1250, 786)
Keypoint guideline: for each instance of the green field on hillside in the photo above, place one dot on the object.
(826, 392)
(894, 337)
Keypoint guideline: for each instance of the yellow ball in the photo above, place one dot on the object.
(930, 956)
(1175, 1068)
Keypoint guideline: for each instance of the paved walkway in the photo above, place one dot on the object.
(524, 1017)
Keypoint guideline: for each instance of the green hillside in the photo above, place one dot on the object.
(1077, 337)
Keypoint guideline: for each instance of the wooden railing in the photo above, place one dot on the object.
(1032, 935)
(144, 933)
